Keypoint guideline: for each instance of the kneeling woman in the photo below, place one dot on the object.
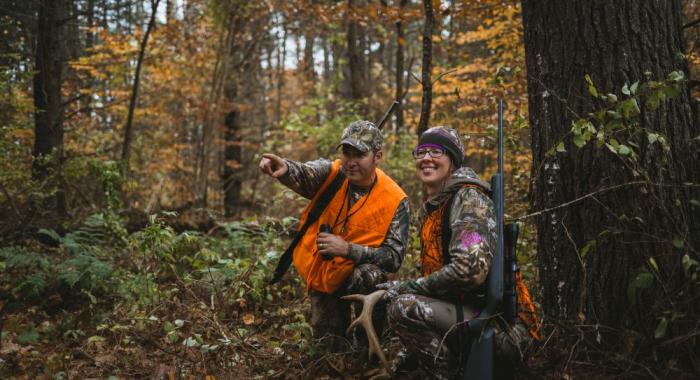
(458, 240)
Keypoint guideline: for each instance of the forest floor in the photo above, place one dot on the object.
(101, 303)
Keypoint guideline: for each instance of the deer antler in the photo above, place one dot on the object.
(365, 319)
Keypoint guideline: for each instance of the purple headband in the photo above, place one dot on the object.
(430, 146)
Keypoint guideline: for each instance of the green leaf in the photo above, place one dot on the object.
(643, 280)
(695, 202)
(592, 90)
(624, 150)
(191, 342)
(590, 244)
(652, 102)
(28, 337)
(676, 76)
(579, 140)
(678, 242)
(633, 87)
(661, 328)
(50, 233)
(626, 89)
(630, 108)
(652, 137)
(612, 98)
(560, 147)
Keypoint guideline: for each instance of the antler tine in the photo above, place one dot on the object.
(365, 319)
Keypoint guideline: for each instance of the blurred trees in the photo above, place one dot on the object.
(294, 72)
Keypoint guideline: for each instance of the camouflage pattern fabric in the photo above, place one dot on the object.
(473, 224)
(306, 179)
(330, 315)
(428, 330)
(363, 136)
(422, 311)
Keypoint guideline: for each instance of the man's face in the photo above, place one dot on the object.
(359, 167)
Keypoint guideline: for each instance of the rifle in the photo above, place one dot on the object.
(387, 114)
(481, 355)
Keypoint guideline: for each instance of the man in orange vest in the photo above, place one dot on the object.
(368, 218)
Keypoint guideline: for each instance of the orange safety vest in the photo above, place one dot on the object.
(431, 261)
(368, 224)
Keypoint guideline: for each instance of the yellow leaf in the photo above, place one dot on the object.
(248, 319)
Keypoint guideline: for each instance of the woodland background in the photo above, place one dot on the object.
(137, 234)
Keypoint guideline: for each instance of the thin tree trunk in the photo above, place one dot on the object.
(219, 77)
(355, 65)
(308, 64)
(400, 43)
(281, 57)
(48, 116)
(427, 67)
(232, 156)
(128, 129)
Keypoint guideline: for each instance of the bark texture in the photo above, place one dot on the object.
(233, 158)
(48, 115)
(615, 43)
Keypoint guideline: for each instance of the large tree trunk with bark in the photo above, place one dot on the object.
(48, 115)
(592, 250)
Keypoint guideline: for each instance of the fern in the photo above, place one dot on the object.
(87, 271)
(23, 259)
(33, 285)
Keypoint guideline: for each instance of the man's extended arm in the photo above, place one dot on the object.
(306, 178)
(389, 255)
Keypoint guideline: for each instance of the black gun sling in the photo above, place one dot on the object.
(319, 206)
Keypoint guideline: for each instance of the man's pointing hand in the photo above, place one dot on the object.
(273, 165)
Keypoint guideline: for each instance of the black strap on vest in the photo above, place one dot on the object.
(316, 211)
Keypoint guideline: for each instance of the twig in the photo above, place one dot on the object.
(579, 199)
(691, 24)
(448, 72)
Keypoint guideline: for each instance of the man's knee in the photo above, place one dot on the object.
(365, 278)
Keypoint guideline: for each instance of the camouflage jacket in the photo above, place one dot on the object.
(472, 244)
(306, 179)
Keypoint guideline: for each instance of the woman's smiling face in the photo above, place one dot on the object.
(432, 165)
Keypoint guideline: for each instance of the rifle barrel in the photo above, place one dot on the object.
(388, 113)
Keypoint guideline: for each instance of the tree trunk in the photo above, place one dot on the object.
(281, 58)
(128, 130)
(48, 115)
(589, 252)
(400, 43)
(233, 159)
(169, 11)
(427, 67)
(308, 64)
(355, 65)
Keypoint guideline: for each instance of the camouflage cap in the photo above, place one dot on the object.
(363, 136)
